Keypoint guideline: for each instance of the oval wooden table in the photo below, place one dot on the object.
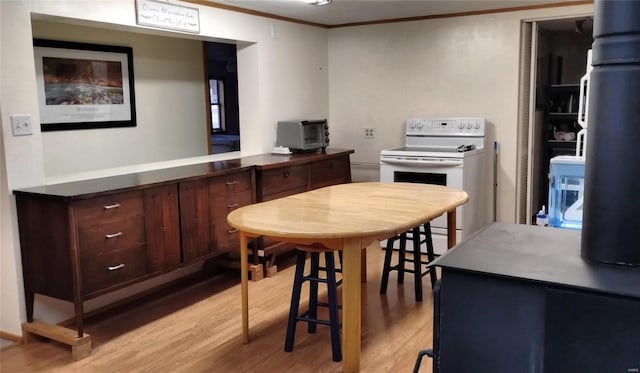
(348, 217)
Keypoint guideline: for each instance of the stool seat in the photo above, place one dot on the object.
(415, 235)
(311, 315)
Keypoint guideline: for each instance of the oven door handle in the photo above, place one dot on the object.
(423, 163)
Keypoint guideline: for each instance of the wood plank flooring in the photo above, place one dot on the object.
(197, 329)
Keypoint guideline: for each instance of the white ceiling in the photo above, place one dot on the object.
(341, 12)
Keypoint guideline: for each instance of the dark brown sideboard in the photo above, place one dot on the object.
(83, 239)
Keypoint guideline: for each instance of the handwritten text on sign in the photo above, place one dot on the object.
(168, 16)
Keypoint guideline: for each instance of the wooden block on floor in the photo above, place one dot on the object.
(272, 271)
(256, 272)
(80, 346)
(81, 351)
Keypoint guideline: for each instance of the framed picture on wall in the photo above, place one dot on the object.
(84, 86)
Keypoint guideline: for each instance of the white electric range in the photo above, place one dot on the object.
(449, 152)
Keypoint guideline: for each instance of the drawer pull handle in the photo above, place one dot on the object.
(232, 206)
(113, 235)
(232, 182)
(230, 231)
(115, 268)
(113, 206)
(286, 174)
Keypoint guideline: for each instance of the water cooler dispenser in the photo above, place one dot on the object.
(566, 188)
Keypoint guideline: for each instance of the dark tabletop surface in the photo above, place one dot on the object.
(88, 188)
(540, 254)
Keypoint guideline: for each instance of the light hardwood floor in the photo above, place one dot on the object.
(197, 329)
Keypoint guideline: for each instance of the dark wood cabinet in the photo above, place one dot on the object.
(282, 181)
(204, 205)
(227, 193)
(78, 248)
(162, 230)
(329, 172)
(195, 223)
(84, 239)
(111, 241)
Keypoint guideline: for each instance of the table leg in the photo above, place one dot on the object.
(351, 304)
(451, 228)
(363, 265)
(244, 285)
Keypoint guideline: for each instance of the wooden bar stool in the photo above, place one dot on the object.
(311, 315)
(416, 236)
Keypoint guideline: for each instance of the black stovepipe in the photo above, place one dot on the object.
(611, 215)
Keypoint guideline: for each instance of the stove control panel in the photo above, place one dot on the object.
(445, 126)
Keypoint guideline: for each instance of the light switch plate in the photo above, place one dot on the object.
(21, 125)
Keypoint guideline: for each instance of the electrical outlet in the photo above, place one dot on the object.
(21, 125)
(369, 132)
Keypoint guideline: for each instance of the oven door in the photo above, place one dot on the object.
(441, 171)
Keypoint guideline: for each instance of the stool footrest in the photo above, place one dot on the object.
(305, 317)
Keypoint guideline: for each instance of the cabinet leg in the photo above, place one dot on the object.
(29, 300)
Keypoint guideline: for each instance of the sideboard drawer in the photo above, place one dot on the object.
(283, 179)
(222, 205)
(111, 268)
(115, 207)
(330, 172)
(232, 183)
(225, 237)
(99, 239)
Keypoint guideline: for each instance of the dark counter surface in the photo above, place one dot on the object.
(266, 161)
(541, 254)
(90, 187)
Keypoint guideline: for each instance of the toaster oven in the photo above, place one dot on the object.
(303, 135)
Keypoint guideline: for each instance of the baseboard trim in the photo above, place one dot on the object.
(10, 337)
(365, 165)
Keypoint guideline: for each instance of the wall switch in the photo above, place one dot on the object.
(21, 125)
(369, 132)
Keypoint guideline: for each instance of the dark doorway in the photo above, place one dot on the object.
(222, 97)
(562, 47)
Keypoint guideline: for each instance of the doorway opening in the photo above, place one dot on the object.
(557, 52)
(223, 124)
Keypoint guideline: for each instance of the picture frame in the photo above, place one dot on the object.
(84, 86)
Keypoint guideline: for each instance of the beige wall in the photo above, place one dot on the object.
(170, 104)
(374, 76)
(381, 75)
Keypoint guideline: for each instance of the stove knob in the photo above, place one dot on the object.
(461, 125)
(412, 124)
(477, 125)
(420, 124)
(469, 125)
